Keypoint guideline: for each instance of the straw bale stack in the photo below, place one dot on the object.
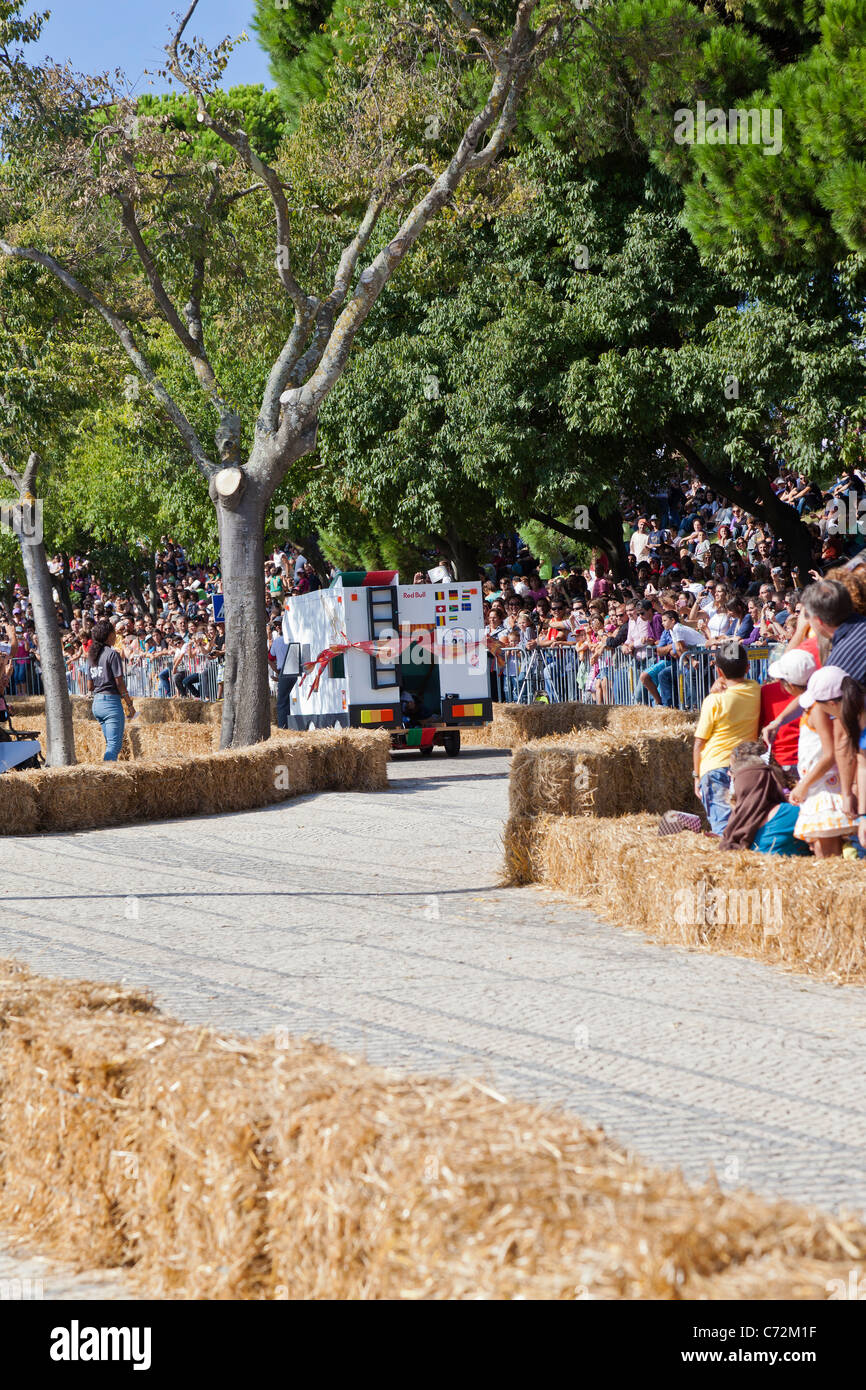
(80, 798)
(170, 739)
(803, 914)
(603, 774)
(220, 1167)
(150, 710)
(290, 764)
(514, 725)
(19, 805)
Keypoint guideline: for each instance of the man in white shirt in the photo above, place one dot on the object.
(640, 539)
(284, 657)
(686, 642)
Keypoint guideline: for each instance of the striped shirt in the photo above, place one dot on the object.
(849, 648)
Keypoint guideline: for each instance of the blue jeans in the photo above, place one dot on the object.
(715, 787)
(108, 709)
(662, 676)
(165, 683)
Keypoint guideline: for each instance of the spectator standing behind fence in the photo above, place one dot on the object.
(729, 716)
(283, 657)
(658, 679)
(105, 681)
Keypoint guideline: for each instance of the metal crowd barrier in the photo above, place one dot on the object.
(26, 678)
(152, 677)
(557, 674)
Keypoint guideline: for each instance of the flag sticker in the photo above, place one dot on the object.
(441, 620)
(440, 593)
(452, 593)
(440, 608)
(467, 607)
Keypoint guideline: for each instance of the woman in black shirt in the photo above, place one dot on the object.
(110, 695)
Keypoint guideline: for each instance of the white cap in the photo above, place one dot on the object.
(825, 684)
(795, 666)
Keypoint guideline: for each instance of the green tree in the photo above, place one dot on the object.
(123, 210)
(303, 38)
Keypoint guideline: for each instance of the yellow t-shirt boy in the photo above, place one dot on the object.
(730, 717)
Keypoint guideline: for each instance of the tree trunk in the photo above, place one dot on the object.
(462, 553)
(61, 583)
(604, 531)
(787, 525)
(756, 496)
(9, 598)
(313, 551)
(247, 704)
(60, 751)
(137, 593)
(608, 532)
(151, 572)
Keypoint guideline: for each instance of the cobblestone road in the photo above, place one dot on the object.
(375, 922)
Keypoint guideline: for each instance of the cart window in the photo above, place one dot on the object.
(337, 667)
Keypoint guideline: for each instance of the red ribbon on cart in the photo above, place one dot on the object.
(379, 647)
(382, 647)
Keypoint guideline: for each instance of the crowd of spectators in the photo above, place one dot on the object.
(707, 601)
(717, 568)
(169, 638)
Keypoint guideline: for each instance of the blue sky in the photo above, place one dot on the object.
(96, 35)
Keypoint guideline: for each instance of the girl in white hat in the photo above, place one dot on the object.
(823, 821)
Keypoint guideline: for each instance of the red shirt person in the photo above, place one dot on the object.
(791, 673)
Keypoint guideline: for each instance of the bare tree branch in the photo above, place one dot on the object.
(293, 368)
(194, 348)
(127, 342)
(12, 474)
(484, 41)
(192, 308)
(512, 70)
(238, 140)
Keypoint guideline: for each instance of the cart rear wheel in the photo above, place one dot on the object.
(426, 752)
(451, 743)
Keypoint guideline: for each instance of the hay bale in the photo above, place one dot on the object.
(603, 773)
(173, 788)
(518, 838)
(173, 739)
(804, 914)
(170, 739)
(220, 1167)
(541, 781)
(19, 805)
(83, 798)
(347, 759)
(157, 778)
(514, 725)
(643, 719)
(259, 776)
(371, 773)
